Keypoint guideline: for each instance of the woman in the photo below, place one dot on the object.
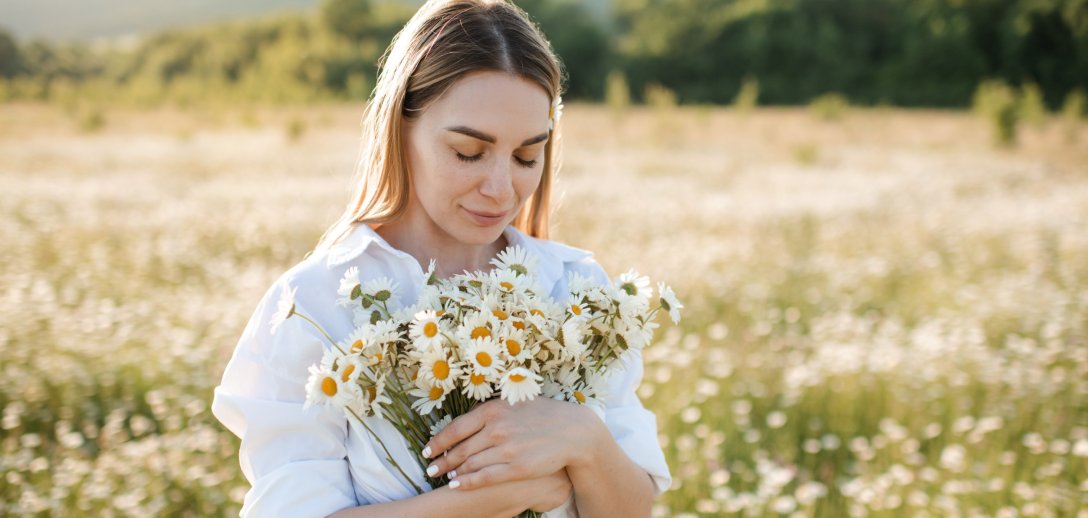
(457, 164)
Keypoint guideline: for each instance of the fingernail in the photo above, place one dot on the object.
(453, 473)
(427, 452)
(455, 484)
(432, 470)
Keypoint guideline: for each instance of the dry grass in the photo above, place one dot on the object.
(887, 316)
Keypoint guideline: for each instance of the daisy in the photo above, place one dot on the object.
(425, 330)
(375, 401)
(349, 287)
(324, 387)
(580, 284)
(478, 386)
(670, 302)
(508, 282)
(483, 357)
(633, 292)
(440, 425)
(437, 369)
(284, 309)
(576, 308)
(475, 325)
(520, 384)
(428, 397)
(515, 346)
(382, 289)
(516, 259)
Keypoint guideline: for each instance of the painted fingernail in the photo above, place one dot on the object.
(427, 452)
(432, 470)
(455, 484)
(453, 473)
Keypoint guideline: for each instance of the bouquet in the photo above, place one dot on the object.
(473, 337)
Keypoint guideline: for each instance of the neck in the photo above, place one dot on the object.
(421, 238)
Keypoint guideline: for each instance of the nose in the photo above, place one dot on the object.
(498, 184)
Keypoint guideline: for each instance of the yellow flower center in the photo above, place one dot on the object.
(371, 393)
(480, 332)
(476, 379)
(517, 378)
(483, 359)
(440, 312)
(579, 396)
(430, 329)
(513, 347)
(328, 386)
(535, 311)
(347, 372)
(506, 285)
(441, 369)
(357, 346)
(499, 314)
(576, 309)
(519, 325)
(436, 393)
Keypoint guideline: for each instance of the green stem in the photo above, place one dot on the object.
(388, 456)
(322, 330)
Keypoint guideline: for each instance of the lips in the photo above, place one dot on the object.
(484, 218)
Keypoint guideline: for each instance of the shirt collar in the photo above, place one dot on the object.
(552, 255)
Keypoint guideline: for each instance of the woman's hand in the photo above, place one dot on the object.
(498, 442)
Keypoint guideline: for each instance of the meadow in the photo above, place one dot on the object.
(886, 314)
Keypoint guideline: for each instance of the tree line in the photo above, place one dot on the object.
(900, 52)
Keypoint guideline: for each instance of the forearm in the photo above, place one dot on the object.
(609, 483)
(500, 501)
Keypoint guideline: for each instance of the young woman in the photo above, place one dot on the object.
(457, 163)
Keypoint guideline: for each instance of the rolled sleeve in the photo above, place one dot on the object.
(295, 460)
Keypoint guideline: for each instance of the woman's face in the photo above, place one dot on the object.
(476, 154)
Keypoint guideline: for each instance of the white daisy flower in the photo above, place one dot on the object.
(350, 288)
(476, 324)
(576, 308)
(285, 308)
(440, 425)
(670, 302)
(382, 289)
(516, 259)
(578, 284)
(520, 384)
(478, 386)
(437, 369)
(509, 282)
(426, 330)
(325, 388)
(574, 348)
(373, 399)
(633, 293)
(483, 357)
(516, 347)
(428, 397)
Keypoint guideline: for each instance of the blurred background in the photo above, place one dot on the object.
(874, 210)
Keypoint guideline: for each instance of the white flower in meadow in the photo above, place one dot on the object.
(478, 386)
(576, 308)
(669, 302)
(349, 285)
(520, 384)
(284, 309)
(437, 369)
(426, 330)
(483, 356)
(516, 259)
(507, 282)
(428, 397)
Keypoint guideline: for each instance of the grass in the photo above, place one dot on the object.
(895, 329)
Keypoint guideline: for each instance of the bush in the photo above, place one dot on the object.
(748, 96)
(1032, 109)
(617, 95)
(829, 107)
(998, 104)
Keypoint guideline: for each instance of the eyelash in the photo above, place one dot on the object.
(465, 158)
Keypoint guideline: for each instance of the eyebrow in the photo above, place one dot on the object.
(476, 134)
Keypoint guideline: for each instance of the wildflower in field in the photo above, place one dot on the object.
(520, 384)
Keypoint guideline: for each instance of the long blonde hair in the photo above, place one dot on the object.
(443, 41)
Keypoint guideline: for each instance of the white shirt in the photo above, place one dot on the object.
(317, 462)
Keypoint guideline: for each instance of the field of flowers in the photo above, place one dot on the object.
(885, 315)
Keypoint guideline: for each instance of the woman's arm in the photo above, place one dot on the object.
(606, 481)
(499, 500)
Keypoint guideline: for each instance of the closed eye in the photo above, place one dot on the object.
(475, 158)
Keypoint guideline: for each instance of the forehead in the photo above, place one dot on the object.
(495, 102)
